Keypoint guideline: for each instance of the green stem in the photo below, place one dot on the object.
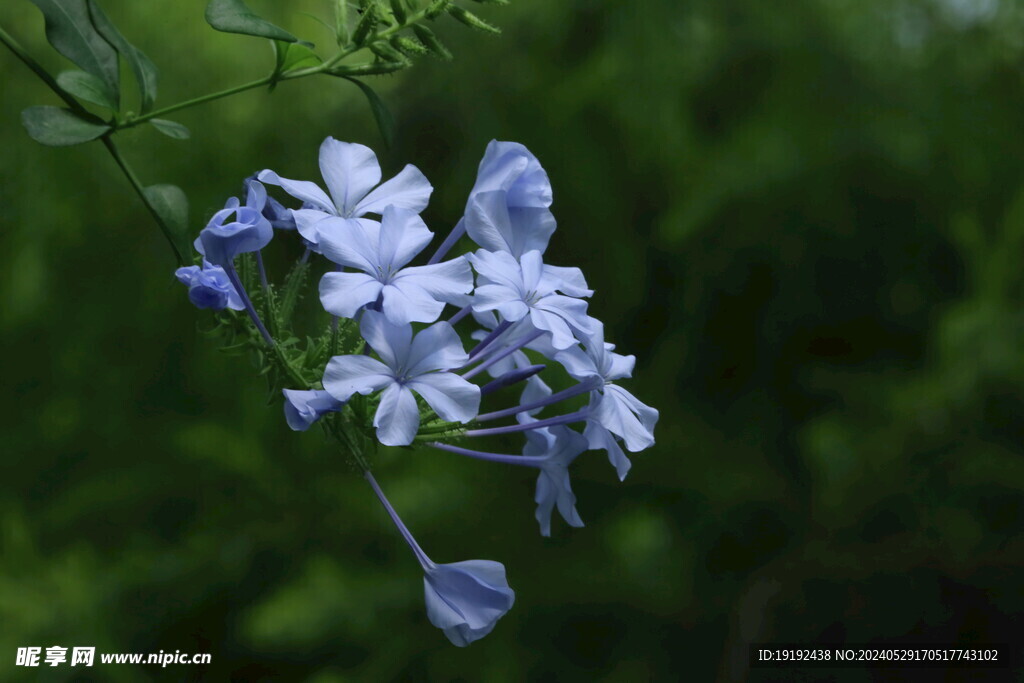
(141, 191)
(198, 100)
(43, 74)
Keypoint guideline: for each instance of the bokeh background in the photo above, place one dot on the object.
(804, 218)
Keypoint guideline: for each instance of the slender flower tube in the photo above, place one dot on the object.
(581, 388)
(511, 377)
(464, 599)
(504, 353)
(578, 416)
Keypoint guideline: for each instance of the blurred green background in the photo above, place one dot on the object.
(804, 218)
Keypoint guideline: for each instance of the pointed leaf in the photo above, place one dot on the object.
(70, 30)
(290, 56)
(171, 129)
(86, 87)
(144, 69)
(58, 127)
(385, 121)
(232, 16)
(171, 205)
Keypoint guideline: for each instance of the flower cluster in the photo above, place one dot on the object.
(409, 379)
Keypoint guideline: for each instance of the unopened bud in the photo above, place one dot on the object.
(469, 19)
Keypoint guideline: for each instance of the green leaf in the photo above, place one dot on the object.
(70, 30)
(86, 87)
(294, 56)
(144, 69)
(385, 121)
(171, 204)
(232, 16)
(171, 129)
(58, 127)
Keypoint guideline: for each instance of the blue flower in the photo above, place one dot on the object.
(381, 251)
(303, 408)
(350, 172)
(517, 289)
(555, 448)
(613, 410)
(220, 242)
(513, 169)
(408, 364)
(209, 287)
(466, 599)
(507, 209)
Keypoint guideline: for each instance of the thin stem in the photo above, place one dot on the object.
(504, 353)
(198, 100)
(462, 313)
(457, 232)
(489, 339)
(580, 388)
(510, 378)
(578, 416)
(424, 561)
(527, 460)
(108, 142)
(232, 274)
(263, 273)
(37, 68)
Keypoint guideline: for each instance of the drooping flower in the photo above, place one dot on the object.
(513, 169)
(222, 240)
(407, 364)
(381, 251)
(350, 172)
(520, 288)
(303, 408)
(464, 599)
(613, 409)
(507, 209)
(209, 287)
(548, 449)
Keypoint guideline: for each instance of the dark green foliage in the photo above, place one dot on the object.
(58, 127)
(171, 129)
(144, 70)
(70, 30)
(234, 16)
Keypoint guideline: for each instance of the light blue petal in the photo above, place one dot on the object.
(405, 302)
(453, 398)
(466, 599)
(303, 408)
(446, 281)
(397, 418)
(578, 363)
(600, 438)
(623, 414)
(569, 281)
(403, 234)
(498, 268)
(350, 170)
(573, 311)
(438, 347)
(390, 341)
(505, 300)
(343, 294)
(300, 189)
(352, 242)
(309, 221)
(409, 190)
(510, 166)
(345, 376)
(561, 334)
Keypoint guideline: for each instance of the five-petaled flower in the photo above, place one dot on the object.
(350, 172)
(408, 363)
